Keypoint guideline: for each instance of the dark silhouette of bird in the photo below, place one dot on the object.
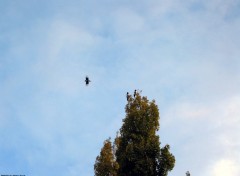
(87, 80)
(128, 96)
(135, 93)
(187, 173)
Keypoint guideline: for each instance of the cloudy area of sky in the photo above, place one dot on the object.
(185, 55)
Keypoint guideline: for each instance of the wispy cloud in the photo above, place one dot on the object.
(183, 54)
(225, 167)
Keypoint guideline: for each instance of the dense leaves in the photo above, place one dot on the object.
(139, 150)
(167, 161)
(105, 164)
(137, 147)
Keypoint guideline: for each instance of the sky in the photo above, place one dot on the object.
(183, 54)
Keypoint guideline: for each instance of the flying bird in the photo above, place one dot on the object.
(87, 80)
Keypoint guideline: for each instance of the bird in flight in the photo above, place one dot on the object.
(87, 80)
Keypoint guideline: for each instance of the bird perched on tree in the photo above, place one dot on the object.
(135, 93)
(128, 96)
(87, 80)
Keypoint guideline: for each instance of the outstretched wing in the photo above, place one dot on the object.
(87, 80)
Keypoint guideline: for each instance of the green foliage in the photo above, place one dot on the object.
(167, 161)
(138, 151)
(105, 164)
(137, 147)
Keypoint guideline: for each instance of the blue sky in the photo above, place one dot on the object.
(185, 55)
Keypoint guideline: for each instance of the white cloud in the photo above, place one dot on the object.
(225, 167)
(127, 22)
(204, 134)
(63, 35)
(186, 60)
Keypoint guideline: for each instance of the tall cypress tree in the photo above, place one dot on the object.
(138, 152)
(137, 148)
